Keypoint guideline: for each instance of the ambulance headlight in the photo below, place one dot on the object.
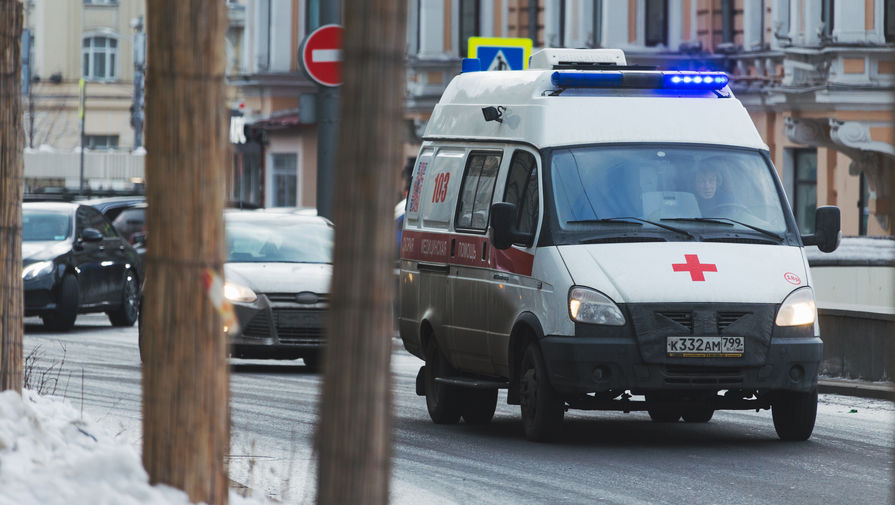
(592, 307)
(798, 309)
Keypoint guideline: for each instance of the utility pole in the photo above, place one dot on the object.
(82, 106)
(186, 424)
(354, 432)
(327, 124)
(12, 301)
(139, 68)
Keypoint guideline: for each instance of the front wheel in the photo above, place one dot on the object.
(794, 414)
(479, 405)
(663, 409)
(67, 301)
(127, 313)
(542, 408)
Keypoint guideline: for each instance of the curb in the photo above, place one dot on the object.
(875, 390)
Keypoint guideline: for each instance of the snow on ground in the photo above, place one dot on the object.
(49, 455)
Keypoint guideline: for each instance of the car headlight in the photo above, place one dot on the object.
(593, 307)
(238, 293)
(37, 269)
(798, 308)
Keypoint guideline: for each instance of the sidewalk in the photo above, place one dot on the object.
(852, 387)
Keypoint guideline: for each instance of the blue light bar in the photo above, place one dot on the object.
(640, 79)
(587, 79)
(695, 80)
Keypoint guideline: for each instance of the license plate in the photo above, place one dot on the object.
(298, 319)
(705, 347)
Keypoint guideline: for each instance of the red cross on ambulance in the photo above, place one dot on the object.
(697, 270)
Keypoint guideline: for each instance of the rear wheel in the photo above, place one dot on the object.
(542, 408)
(661, 410)
(67, 301)
(698, 413)
(794, 414)
(478, 405)
(127, 313)
(312, 360)
(442, 400)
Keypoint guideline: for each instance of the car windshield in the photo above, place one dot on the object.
(665, 189)
(44, 225)
(279, 239)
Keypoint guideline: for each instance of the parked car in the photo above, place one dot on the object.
(112, 206)
(76, 262)
(278, 271)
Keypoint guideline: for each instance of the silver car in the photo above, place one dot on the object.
(278, 271)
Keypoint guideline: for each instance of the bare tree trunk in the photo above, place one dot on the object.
(11, 173)
(354, 432)
(186, 431)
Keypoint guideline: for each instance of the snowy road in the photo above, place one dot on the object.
(601, 458)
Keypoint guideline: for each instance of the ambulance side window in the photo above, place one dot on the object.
(522, 190)
(477, 191)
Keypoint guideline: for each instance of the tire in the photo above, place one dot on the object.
(542, 408)
(794, 414)
(663, 413)
(312, 360)
(442, 400)
(129, 311)
(63, 319)
(698, 413)
(478, 405)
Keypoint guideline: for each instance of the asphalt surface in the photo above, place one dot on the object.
(601, 457)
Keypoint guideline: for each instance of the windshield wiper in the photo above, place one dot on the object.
(729, 222)
(636, 220)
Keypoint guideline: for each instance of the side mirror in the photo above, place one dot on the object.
(91, 235)
(503, 226)
(826, 229)
(139, 239)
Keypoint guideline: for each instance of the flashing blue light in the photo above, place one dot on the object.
(695, 80)
(470, 65)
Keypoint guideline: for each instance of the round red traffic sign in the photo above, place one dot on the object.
(321, 55)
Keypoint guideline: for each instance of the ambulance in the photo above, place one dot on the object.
(592, 235)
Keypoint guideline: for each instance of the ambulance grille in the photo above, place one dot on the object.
(726, 319)
(714, 376)
(684, 319)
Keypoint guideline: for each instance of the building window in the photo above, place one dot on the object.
(470, 14)
(727, 20)
(285, 179)
(805, 188)
(100, 57)
(890, 20)
(656, 22)
(100, 142)
(826, 17)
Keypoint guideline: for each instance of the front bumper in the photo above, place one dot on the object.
(40, 295)
(277, 326)
(633, 357)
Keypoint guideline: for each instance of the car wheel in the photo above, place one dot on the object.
(127, 313)
(663, 413)
(698, 413)
(442, 400)
(312, 360)
(63, 319)
(479, 405)
(794, 414)
(542, 408)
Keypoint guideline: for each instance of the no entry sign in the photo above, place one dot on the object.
(321, 55)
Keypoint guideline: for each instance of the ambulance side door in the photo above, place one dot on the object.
(470, 273)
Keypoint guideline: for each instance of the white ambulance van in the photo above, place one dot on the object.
(591, 235)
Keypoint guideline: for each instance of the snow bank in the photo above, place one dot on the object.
(50, 456)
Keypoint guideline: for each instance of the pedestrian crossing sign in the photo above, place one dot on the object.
(500, 53)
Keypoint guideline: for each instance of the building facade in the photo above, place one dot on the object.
(816, 76)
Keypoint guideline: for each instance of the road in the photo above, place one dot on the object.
(602, 457)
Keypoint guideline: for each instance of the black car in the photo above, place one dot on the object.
(76, 262)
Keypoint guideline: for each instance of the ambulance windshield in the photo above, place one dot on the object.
(680, 192)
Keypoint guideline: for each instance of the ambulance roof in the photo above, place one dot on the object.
(534, 113)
